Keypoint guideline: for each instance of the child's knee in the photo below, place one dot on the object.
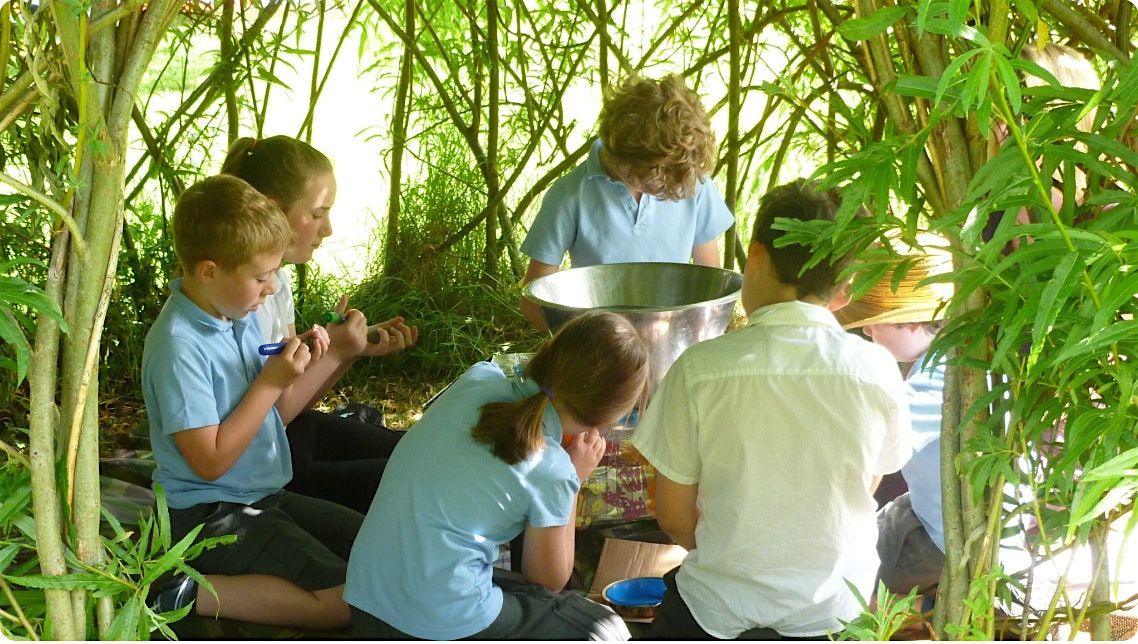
(333, 608)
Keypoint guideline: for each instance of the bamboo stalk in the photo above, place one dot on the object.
(203, 94)
(1100, 580)
(5, 41)
(42, 421)
(318, 91)
(734, 104)
(489, 166)
(950, 592)
(392, 254)
(51, 205)
(225, 37)
(313, 94)
(1082, 29)
(23, 619)
(626, 66)
(15, 454)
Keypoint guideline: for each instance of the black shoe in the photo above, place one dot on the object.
(172, 592)
(363, 413)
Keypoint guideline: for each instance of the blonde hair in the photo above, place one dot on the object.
(656, 136)
(596, 366)
(225, 220)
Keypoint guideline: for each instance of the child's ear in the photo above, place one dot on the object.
(205, 270)
(841, 297)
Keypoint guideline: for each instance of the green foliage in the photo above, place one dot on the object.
(1057, 286)
(889, 615)
(19, 300)
(135, 559)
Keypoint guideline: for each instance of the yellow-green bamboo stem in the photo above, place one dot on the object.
(5, 40)
(949, 606)
(20, 616)
(42, 423)
(734, 103)
(15, 454)
(52, 206)
(27, 102)
(1100, 581)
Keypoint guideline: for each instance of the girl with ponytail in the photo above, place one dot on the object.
(333, 458)
(484, 464)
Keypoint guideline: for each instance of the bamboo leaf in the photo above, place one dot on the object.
(950, 76)
(916, 86)
(172, 557)
(1007, 76)
(1120, 466)
(125, 626)
(869, 26)
(74, 581)
(1051, 302)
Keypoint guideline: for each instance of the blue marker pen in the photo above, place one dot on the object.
(271, 349)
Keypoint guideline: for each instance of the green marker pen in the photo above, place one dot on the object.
(332, 317)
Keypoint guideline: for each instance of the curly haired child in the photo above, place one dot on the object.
(642, 195)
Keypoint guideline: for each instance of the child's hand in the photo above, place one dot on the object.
(283, 369)
(390, 337)
(317, 340)
(348, 339)
(585, 452)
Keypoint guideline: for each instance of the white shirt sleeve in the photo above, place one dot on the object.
(668, 435)
(278, 311)
(897, 444)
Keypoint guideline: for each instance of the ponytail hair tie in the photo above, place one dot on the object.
(547, 391)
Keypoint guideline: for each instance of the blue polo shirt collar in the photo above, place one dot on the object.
(796, 313)
(593, 167)
(196, 313)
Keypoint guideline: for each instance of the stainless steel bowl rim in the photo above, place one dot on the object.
(724, 299)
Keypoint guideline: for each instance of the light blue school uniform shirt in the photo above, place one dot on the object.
(925, 387)
(423, 560)
(196, 368)
(594, 218)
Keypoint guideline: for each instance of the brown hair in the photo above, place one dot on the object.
(656, 135)
(799, 200)
(596, 366)
(279, 166)
(225, 220)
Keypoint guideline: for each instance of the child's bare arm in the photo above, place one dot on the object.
(676, 510)
(706, 254)
(529, 308)
(213, 449)
(347, 339)
(547, 558)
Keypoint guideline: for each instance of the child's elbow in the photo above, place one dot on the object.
(554, 580)
(208, 471)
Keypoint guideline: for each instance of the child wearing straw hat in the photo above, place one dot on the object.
(910, 541)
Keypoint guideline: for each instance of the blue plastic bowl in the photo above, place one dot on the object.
(636, 597)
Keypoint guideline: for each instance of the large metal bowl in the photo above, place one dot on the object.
(672, 306)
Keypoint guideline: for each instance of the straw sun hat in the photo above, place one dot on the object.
(911, 303)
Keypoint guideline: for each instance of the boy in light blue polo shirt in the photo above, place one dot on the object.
(642, 194)
(217, 411)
